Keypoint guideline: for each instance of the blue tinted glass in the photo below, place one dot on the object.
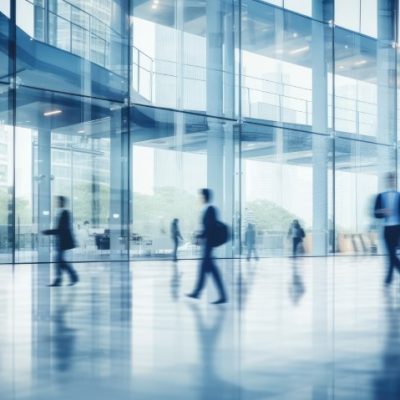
(74, 46)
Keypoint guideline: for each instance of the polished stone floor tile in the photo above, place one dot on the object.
(315, 328)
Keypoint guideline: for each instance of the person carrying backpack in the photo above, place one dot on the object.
(214, 233)
(297, 234)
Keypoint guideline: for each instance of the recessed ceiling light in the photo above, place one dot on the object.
(361, 62)
(154, 6)
(81, 131)
(295, 34)
(52, 112)
(341, 66)
(300, 50)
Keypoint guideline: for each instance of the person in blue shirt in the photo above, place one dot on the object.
(387, 207)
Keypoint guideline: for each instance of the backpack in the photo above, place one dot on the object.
(221, 234)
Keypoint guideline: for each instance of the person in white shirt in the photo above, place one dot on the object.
(387, 207)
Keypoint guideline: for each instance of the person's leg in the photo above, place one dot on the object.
(214, 270)
(396, 242)
(58, 269)
(294, 248)
(251, 252)
(248, 252)
(391, 244)
(298, 240)
(255, 252)
(175, 252)
(67, 267)
(201, 278)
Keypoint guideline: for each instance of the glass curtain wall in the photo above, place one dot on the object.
(74, 147)
(173, 155)
(286, 109)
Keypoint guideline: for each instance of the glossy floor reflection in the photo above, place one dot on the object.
(320, 328)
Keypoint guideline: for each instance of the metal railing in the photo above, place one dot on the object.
(261, 98)
(68, 27)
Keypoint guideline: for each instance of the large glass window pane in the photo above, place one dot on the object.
(360, 170)
(300, 6)
(285, 177)
(185, 55)
(284, 55)
(5, 64)
(173, 155)
(75, 147)
(5, 8)
(347, 14)
(364, 87)
(6, 175)
(369, 17)
(76, 46)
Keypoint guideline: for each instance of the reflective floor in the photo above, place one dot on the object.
(322, 328)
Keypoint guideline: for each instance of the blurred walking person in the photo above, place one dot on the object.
(176, 237)
(213, 234)
(297, 234)
(387, 207)
(250, 241)
(64, 241)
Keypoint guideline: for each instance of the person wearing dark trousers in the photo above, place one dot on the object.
(387, 207)
(250, 241)
(297, 234)
(207, 266)
(64, 241)
(176, 237)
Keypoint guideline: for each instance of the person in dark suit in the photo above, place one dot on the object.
(387, 207)
(250, 241)
(176, 237)
(207, 266)
(297, 234)
(64, 241)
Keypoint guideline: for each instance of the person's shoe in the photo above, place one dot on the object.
(74, 281)
(54, 284)
(193, 295)
(220, 301)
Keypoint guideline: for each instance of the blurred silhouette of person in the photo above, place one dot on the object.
(296, 287)
(250, 241)
(297, 234)
(63, 337)
(245, 281)
(387, 207)
(64, 241)
(386, 382)
(175, 281)
(207, 266)
(210, 329)
(86, 234)
(176, 237)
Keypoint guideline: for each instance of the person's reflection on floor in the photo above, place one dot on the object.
(63, 337)
(296, 285)
(386, 384)
(245, 281)
(209, 334)
(176, 279)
